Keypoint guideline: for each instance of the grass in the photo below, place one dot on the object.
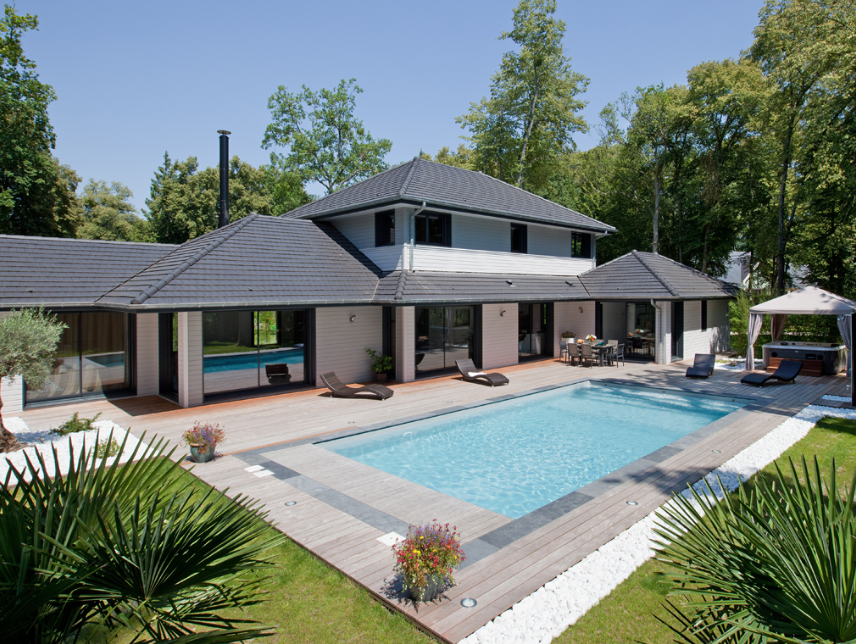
(627, 615)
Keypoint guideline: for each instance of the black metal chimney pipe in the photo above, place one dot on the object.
(224, 178)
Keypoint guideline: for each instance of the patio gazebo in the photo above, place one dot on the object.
(810, 300)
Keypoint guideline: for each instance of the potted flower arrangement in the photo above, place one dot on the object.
(569, 334)
(203, 438)
(381, 364)
(591, 337)
(426, 558)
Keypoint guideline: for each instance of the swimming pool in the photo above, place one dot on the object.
(515, 456)
(250, 360)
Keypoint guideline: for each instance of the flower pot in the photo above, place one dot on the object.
(202, 453)
(380, 377)
(432, 588)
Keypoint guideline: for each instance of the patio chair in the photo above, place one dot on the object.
(471, 374)
(787, 372)
(617, 354)
(338, 388)
(573, 352)
(703, 365)
(586, 354)
(277, 374)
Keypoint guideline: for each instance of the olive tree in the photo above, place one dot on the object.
(28, 340)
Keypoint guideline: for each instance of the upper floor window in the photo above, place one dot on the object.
(704, 315)
(385, 228)
(518, 238)
(581, 245)
(433, 228)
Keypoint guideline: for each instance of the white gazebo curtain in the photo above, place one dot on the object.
(777, 325)
(755, 322)
(844, 327)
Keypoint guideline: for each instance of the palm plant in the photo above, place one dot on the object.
(776, 563)
(126, 545)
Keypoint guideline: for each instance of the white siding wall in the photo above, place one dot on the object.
(481, 233)
(387, 258)
(663, 333)
(405, 344)
(567, 317)
(340, 345)
(190, 359)
(11, 390)
(359, 229)
(715, 338)
(499, 335)
(556, 242)
(147, 354)
(439, 258)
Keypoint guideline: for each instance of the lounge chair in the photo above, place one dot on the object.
(471, 374)
(787, 372)
(703, 365)
(277, 373)
(338, 388)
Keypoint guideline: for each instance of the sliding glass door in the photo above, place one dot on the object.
(443, 334)
(532, 323)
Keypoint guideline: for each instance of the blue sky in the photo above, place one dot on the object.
(136, 79)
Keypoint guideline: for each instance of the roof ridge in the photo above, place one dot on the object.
(198, 255)
(100, 241)
(400, 286)
(662, 280)
(694, 270)
(409, 176)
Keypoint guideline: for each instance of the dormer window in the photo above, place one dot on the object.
(433, 228)
(518, 238)
(385, 228)
(581, 245)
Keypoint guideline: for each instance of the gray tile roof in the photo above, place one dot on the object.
(71, 273)
(401, 287)
(256, 262)
(641, 276)
(444, 186)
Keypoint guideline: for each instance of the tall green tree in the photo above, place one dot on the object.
(533, 110)
(37, 193)
(108, 213)
(324, 141)
(461, 158)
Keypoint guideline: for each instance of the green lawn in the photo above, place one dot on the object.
(627, 615)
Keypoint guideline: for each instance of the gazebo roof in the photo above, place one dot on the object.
(810, 300)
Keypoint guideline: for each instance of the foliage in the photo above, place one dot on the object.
(527, 123)
(37, 193)
(28, 340)
(325, 142)
(380, 362)
(114, 545)
(205, 435)
(772, 563)
(184, 201)
(462, 158)
(108, 213)
(433, 549)
(75, 424)
(107, 448)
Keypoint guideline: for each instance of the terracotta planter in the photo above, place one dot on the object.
(429, 591)
(202, 453)
(380, 377)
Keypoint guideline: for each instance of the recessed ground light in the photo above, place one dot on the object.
(509, 282)
(716, 451)
(290, 503)
(632, 503)
(469, 602)
(352, 422)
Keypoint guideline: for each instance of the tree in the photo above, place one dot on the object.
(325, 142)
(462, 158)
(37, 194)
(107, 213)
(28, 340)
(533, 109)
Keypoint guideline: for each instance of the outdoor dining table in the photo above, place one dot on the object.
(601, 351)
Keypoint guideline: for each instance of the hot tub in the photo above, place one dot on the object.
(834, 356)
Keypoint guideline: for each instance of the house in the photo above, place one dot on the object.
(425, 262)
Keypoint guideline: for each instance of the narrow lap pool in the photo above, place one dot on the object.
(515, 456)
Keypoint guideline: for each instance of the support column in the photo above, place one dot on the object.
(405, 344)
(147, 354)
(663, 335)
(190, 359)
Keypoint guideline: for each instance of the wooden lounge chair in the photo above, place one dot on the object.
(471, 374)
(787, 372)
(338, 388)
(703, 365)
(277, 373)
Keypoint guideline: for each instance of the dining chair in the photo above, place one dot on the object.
(586, 354)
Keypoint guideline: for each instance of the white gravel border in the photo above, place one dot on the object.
(43, 442)
(547, 612)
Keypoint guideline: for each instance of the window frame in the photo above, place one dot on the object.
(704, 326)
(524, 238)
(422, 221)
(385, 228)
(585, 244)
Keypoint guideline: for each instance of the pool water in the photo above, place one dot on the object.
(251, 360)
(515, 456)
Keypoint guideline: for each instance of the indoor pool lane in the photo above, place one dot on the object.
(518, 455)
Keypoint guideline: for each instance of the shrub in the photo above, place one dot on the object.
(380, 362)
(204, 435)
(75, 424)
(107, 448)
(428, 550)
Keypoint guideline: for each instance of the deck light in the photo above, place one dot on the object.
(509, 282)
(716, 451)
(469, 602)
(632, 503)
(290, 503)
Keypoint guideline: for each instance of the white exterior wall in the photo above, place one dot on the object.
(11, 389)
(715, 338)
(405, 344)
(340, 345)
(359, 229)
(481, 233)
(567, 317)
(441, 258)
(663, 333)
(190, 359)
(147, 354)
(555, 242)
(499, 335)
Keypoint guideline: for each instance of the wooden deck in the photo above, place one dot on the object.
(343, 507)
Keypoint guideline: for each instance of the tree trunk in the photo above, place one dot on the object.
(521, 173)
(8, 442)
(780, 259)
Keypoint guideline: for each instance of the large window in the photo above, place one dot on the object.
(250, 349)
(443, 334)
(93, 357)
(433, 228)
(532, 326)
(581, 245)
(385, 228)
(518, 238)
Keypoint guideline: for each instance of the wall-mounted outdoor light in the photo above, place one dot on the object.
(502, 312)
(353, 317)
(581, 309)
